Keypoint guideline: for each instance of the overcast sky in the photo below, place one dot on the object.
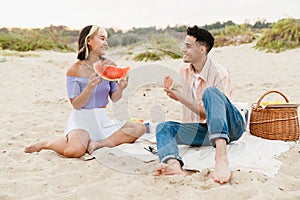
(126, 14)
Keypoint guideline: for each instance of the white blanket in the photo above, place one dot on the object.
(249, 153)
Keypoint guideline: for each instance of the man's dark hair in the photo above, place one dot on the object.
(202, 36)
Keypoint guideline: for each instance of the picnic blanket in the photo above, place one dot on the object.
(249, 153)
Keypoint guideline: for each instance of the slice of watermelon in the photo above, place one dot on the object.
(168, 82)
(110, 72)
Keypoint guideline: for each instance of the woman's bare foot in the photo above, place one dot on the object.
(93, 145)
(37, 147)
(171, 168)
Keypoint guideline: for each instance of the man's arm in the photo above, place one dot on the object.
(177, 95)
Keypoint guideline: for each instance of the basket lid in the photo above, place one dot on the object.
(287, 105)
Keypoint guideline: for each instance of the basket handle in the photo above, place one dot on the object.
(271, 91)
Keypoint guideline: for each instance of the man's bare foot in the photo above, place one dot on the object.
(171, 168)
(37, 147)
(93, 145)
(222, 171)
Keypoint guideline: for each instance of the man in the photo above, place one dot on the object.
(209, 118)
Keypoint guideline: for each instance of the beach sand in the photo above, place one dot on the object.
(34, 106)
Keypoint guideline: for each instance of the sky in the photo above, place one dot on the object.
(126, 14)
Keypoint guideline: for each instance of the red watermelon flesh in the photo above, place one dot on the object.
(111, 73)
(168, 82)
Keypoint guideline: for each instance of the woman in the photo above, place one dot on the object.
(89, 127)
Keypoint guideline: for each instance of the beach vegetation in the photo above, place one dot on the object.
(285, 34)
(261, 24)
(58, 38)
(129, 38)
(167, 45)
(158, 47)
(152, 43)
(234, 34)
(148, 56)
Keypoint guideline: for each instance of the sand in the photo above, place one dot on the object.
(34, 106)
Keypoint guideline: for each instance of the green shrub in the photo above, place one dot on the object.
(129, 39)
(148, 56)
(285, 34)
(49, 38)
(167, 45)
(114, 41)
(234, 35)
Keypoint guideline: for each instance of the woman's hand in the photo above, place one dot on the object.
(93, 81)
(79, 101)
(123, 83)
(117, 95)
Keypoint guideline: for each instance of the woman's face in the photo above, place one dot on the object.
(98, 44)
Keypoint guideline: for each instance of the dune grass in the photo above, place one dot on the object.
(159, 47)
(234, 35)
(283, 35)
(150, 44)
(58, 38)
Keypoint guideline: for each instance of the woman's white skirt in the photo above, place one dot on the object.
(94, 121)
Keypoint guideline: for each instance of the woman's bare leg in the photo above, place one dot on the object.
(129, 133)
(72, 146)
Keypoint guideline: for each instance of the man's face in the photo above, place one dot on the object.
(192, 50)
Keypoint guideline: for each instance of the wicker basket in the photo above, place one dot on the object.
(275, 122)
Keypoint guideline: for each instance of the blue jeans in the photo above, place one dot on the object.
(223, 121)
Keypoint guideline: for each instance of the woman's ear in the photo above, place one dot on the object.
(88, 41)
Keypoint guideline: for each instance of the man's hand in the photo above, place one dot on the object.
(175, 94)
(168, 82)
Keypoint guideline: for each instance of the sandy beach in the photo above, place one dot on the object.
(34, 106)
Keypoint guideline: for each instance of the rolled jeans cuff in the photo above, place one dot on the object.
(214, 136)
(177, 157)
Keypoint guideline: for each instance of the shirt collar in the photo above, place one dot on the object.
(205, 70)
